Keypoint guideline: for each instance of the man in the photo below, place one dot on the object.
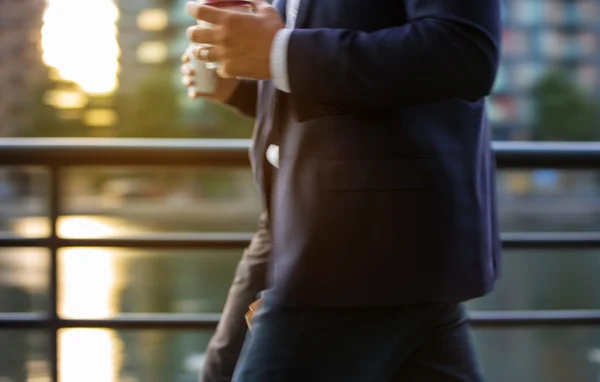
(382, 200)
(250, 278)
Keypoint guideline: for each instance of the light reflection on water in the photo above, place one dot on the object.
(90, 284)
(91, 355)
(104, 282)
(88, 290)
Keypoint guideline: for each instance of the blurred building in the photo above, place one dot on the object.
(145, 33)
(20, 23)
(540, 35)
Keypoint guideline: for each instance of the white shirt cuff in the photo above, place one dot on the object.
(273, 155)
(279, 67)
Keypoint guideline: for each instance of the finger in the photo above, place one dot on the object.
(187, 70)
(192, 93)
(206, 13)
(187, 54)
(187, 81)
(201, 35)
(207, 54)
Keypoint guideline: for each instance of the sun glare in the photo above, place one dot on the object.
(79, 40)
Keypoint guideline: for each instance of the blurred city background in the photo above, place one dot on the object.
(111, 69)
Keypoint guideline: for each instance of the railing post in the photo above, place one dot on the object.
(53, 214)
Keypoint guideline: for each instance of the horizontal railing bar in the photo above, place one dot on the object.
(520, 240)
(551, 240)
(480, 319)
(558, 155)
(232, 152)
(125, 321)
(124, 152)
(150, 321)
(535, 318)
(154, 240)
(10, 321)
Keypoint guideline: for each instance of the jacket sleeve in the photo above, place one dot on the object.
(447, 49)
(245, 97)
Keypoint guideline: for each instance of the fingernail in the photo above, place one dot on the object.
(187, 71)
(190, 32)
(190, 6)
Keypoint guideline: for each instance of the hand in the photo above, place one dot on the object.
(225, 86)
(252, 309)
(241, 42)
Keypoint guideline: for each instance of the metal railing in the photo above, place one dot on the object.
(58, 154)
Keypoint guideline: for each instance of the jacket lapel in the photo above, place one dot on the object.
(303, 10)
(265, 121)
(281, 5)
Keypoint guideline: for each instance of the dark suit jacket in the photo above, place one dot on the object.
(385, 193)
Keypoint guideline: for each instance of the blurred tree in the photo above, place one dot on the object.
(159, 108)
(212, 120)
(565, 111)
(44, 119)
(151, 110)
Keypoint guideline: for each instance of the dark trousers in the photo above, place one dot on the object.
(425, 343)
(250, 278)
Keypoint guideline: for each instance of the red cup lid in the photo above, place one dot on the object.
(228, 3)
